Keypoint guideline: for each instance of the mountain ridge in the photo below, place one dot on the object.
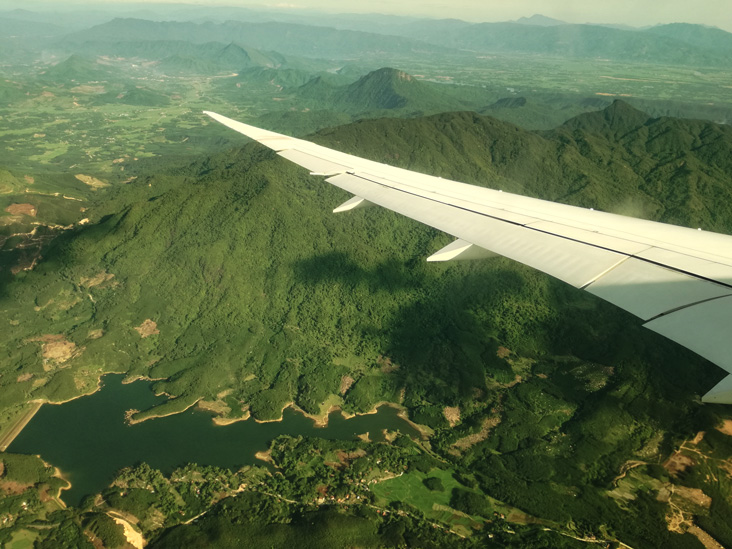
(287, 38)
(259, 297)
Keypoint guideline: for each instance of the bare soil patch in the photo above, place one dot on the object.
(147, 328)
(59, 351)
(471, 440)
(40, 382)
(452, 415)
(88, 89)
(96, 280)
(678, 463)
(24, 377)
(265, 456)
(22, 209)
(218, 407)
(503, 352)
(346, 382)
(56, 349)
(693, 495)
(29, 179)
(93, 182)
(345, 457)
(13, 488)
(726, 427)
(387, 366)
(132, 536)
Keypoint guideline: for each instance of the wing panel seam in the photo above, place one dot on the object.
(526, 226)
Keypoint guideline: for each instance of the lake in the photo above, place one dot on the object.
(89, 440)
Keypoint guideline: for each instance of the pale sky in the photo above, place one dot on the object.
(630, 12)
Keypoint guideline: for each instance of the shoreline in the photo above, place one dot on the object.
(8, 439)
(319, 420)
(131, 421)
(138, 377)
(57, 473)
(224, 421)
(16, 429)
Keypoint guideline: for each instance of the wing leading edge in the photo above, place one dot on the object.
(678, 280)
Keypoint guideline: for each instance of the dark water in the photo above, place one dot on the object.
(89, 440)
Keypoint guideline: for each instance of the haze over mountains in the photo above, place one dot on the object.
(340, 36)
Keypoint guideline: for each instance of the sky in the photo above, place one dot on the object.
(628, 12)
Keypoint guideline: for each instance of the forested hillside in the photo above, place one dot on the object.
(230, 280)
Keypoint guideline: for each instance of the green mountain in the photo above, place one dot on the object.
(389, 88)
(320, 89)
(384, 89)
(76, 68)
(277, 79)
(235, 56)
(229, 279)
(613, 122)
(137, 96)
(616, 159)
(178, 64)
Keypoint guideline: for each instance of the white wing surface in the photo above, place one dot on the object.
(678, 280)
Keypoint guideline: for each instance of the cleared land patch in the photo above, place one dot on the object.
(147, 328)
(93, 182)
(22, 209)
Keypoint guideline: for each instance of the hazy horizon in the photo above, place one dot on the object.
(621, 12)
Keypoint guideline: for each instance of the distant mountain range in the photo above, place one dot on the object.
(287, 38)
(680, 44)
(177, 56)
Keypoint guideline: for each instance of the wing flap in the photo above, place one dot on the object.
(704, 328)
(649, 290)
(721, 393)
(718, 272)
(573, 262)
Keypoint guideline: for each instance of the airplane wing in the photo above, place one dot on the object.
(677, 280)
